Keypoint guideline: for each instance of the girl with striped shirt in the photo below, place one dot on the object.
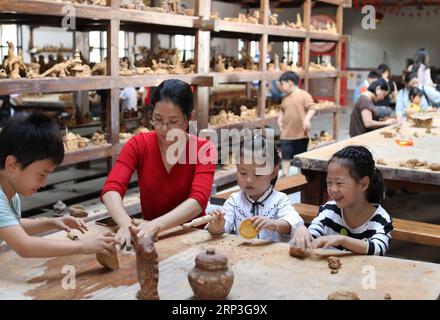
(354, 220)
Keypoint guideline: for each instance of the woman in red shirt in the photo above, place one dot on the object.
(174, 187)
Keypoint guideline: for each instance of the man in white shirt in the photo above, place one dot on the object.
(128, 98)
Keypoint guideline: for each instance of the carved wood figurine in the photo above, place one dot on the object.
(147, 265)
(172, 6)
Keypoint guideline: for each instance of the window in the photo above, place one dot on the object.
(254, 48)
(291, 52)
(98, 45)
(12, 33)
(185, 44)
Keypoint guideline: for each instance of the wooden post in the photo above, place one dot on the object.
(262, 90)
(202, 53)
(306, 47)
(112, 103)
(248, 89)
(338, 65)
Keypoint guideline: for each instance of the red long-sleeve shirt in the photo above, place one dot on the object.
(160, 191)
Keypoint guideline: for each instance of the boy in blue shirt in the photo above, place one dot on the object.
(30, 149)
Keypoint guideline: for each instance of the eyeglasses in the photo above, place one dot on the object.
(170, 125)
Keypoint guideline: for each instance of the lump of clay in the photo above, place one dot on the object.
(147, 265)
(343, 295)
(434, 166)
(109, 262)
(297, 252)
(72, 236)
(334, 264)
(59, 208)
(78, 211)
(211, 279)
(247, 229)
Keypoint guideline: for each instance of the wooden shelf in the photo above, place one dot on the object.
(238, 27)
(47, 85)
(243, 76)
(326, 110)
(344, 3)
(257, 123)
(285, 32)
(154, 80)
(53, 8)
(88, 153)
(322, 36)
(157, 18)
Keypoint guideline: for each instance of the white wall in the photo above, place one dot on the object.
(394, 40)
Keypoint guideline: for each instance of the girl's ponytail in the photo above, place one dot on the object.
(376, 189)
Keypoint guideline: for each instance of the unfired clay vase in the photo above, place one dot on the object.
(211, 279)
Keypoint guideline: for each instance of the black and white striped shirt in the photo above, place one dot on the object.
(376, 231)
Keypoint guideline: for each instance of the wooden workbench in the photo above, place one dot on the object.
(262, 271)
(313, 164)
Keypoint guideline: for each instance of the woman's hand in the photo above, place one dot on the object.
(260, 223)
(328, 241)
(390, 121)
(123, 236)
(67, 223)
(302, 238)
(217, 226)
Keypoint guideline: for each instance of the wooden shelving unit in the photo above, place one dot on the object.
(263, 32)
(112, 18)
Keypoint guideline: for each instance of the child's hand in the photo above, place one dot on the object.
(328, 241)
(302, 238)
(307, 125)
(390, 121)
(264, 223)
(68, 223)
(217, 226)
(102, 243)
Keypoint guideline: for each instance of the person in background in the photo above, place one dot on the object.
(296, 111)
(415, 96)
(128, 98)
(431, 97)
(363, 118)
(372, 76)
(420, 66)
(383, 108)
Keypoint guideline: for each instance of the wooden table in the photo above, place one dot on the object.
(313, 164)
(262, 271)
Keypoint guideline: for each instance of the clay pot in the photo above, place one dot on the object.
(211, 279)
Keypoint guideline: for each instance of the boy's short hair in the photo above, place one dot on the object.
(290, 76)
(31, 138)
(374, 75)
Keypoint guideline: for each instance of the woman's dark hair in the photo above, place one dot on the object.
(177, 92)
(31, 138)
(408, 76)
(290, 76)
(420, 58)
(382, 68)
(360, 163)
(413, 92)
(382, 83)
(258, 145)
